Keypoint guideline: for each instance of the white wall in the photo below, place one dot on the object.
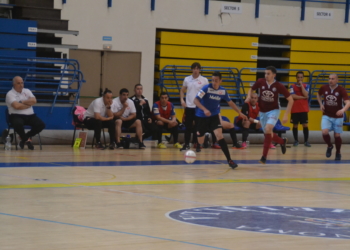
(132, 24)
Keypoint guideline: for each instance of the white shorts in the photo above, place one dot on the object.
(332, 124)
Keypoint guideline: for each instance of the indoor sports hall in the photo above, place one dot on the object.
(65, 195)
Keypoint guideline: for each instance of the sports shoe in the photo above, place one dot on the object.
(307, 144)
(141, 145)
(30, 144)
(119, 145)
(198, 148)
(206, 140)
(232, 164)
(272, 146)
(99, 146)
(195, 145)
(161, 145)
(185, 147)
(237, 146)
(111, 146)
(216, 146)
(337, 157)
(262, 160)
(283, 146)
(177, 145)
(295, 144)
(329, 151)
(244, 145)
(21, 144)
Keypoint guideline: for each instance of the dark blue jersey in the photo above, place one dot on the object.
(210, 98)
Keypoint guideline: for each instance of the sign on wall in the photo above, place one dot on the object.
(231, 8)
(323, 14)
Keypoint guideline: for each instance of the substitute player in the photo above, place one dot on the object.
(269, 108)
(208, 113)
(300, 93)
(333, 112)
(192, 85)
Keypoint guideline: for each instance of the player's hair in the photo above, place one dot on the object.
(299, 72)
(217, 73)
(164, 93)
(123, 90)
(136, 85)
(272, 68)
(196, 65)
(107, 91)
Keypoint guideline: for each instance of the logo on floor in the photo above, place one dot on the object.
(298, 221)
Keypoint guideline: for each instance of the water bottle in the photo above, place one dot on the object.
(8, 143)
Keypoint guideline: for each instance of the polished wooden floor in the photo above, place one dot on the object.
(60, 198)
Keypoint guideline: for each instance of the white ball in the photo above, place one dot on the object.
(190, 156)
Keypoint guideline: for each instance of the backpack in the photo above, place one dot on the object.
(78, 116)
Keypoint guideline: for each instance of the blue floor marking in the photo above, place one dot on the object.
(110, 230)
(158, 163)
(304, 189)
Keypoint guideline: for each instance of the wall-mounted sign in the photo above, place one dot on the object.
(106, 38)
(231, 8)
(31, 44)
(32, 29)
(323, 14)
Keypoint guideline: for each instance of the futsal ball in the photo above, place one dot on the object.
(190, 156)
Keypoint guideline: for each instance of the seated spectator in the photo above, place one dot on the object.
(143, 113)
(124, 112)
(20, 101)
(251, 110)
(99, 116)
(165, 118)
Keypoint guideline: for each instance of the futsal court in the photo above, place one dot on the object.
(64, 198)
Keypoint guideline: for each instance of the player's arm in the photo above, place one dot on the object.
(304, 91)
(182, 96)
(247, 98)
(295, 96)
(200, 106)
(98, 116)
(130, 117)
(30, 101)
(320, 101)
(345, 108)
(235, 108)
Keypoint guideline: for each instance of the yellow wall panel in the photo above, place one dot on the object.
(207, 40)
(313, 67)
(175, 51)
(162, 62)
(318, 57)
(318, 45)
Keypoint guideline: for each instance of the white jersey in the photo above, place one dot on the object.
(14, 96)
(194, 85)
(117, 105)
(97, 106)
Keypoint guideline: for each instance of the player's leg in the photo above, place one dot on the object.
(137, 124)
(304, 121)
(202, 128)
(326, 126)
(294, 119)
(245, 131)
(189, 124)
(118, 132)
(231, 128)
(111, 131)
(338, 130)
(216, 126)
(160, 126)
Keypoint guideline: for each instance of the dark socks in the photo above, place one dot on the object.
(338, 142)
(295, 134)
(233, 136)
(224, 149)
(327, 140)
(245, 133)
(267, 143)
(306, 134)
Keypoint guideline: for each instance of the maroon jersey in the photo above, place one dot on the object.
(268, 98)
(333, 99)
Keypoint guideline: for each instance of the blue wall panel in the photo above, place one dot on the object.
(61, 117)
(21, 53)
(15, 26)
(17, 41)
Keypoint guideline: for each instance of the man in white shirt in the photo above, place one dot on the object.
(192, 84)
(20, 101)
(124, 112)
(99, 115)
